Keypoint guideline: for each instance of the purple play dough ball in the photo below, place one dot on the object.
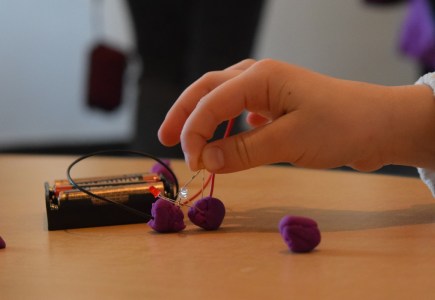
(160, 169)
(2, 243)
(167, 217)
(211, 215)
(299, 233)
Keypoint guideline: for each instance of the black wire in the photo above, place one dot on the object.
(129, 209)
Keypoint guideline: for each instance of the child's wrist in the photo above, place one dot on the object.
(412, 122)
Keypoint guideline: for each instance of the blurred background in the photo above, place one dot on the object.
(56, 55)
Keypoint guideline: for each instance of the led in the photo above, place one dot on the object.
(183, 193)
(154, 191)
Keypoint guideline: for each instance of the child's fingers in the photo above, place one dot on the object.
(170, 130)
(256, 120)
(250, 90)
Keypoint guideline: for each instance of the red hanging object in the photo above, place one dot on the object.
(105, 81)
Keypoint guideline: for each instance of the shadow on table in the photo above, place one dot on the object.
(266, 219)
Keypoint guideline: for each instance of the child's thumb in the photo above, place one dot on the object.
(263, 145)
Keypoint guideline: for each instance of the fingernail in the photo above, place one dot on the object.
(213, 158)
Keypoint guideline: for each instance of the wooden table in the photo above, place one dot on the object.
(378, 239)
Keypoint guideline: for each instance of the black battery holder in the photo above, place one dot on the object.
(69, 217)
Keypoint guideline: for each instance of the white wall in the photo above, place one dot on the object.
(43, 68)
(341, 38)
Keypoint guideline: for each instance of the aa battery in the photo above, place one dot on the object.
(107, 182)
(110, 179)
(120, 194)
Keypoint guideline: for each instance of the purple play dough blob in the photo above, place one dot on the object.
(211, 215)
(299, 233)
(2, 243)
(160, 169)
(167, 217)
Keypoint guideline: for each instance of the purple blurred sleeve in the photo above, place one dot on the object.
(418, 33)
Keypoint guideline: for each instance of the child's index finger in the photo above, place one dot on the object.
(246, 91)
(170, 130)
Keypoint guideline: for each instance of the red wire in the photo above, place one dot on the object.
(229, 128)
(212, 175)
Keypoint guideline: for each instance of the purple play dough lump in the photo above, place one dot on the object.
(299, 233)
(211, 215)
(2, 243)
(167, 217)
(160, 169)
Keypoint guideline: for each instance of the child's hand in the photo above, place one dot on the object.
(300, 117)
